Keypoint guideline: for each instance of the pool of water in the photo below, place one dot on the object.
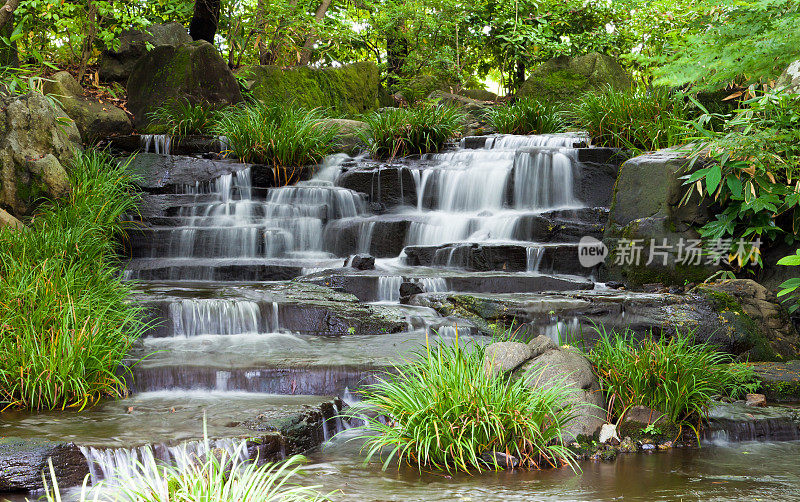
(716, 472)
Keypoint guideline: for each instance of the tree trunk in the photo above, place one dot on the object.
(88, 40)
(319, 15)
(205, 20)
(8, 53)
(396, 52)
(7, 11)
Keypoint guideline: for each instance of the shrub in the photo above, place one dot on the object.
(282, 137)
(674, 376)
(637, 119)
(443, 411)
(181, 118)
(791, 287)
(65, 324)
(405, 131)
(217, 477)
(527, 116)
(753, 175)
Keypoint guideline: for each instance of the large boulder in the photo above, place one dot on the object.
(192, 72)
(790, 79)
(23, 461)
(351, 89)
(7, 220)
(35, 145)
(646, 207)
(94, 119)
(117, 65)
(564, 79)
(568, 367)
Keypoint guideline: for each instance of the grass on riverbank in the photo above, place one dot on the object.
(672, 375)
(399, 132)
(442, 411)
(65, 324)
(217, 476)
(527, 116)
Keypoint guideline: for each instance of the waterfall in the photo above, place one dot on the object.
(543, 179)
(160, 142)
(534, 255)
(433, 284)
(218, 317)
(389, 288)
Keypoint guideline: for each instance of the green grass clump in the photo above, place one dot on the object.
(181, 118)
(443, 411)
(215, 476)
(65, 324)
(423, 128)
(673, 375)
(279, 136)
(527, 116)
(637, 119)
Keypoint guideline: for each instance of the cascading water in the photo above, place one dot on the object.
(389, 288)
(221, 317)
(160, 143)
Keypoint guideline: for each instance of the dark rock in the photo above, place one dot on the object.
(94, 119)
(615, 285)
(391, 186)
(166, 173)
(118, 65)
(409, 289)
(22, 462)
(351, 89)
(35, 147)
(361, 262)
(564, 79)
(502, 460)
(192, 72)
(780, 382)
(647, 206)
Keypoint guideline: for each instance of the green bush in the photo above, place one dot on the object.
(181, 118)
(637, 119)
(443, 411)
(791, 287)
(406, 131)
(213, 477)
(674, 375)
(276, 135)
(527, 116)
(65, 324)
(753, 175)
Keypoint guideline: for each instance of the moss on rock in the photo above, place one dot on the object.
(349, 89)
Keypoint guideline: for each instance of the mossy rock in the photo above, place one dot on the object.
(565, 79)
(350, 89)
(192, 72)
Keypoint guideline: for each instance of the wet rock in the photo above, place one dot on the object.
(615, 285)
(647, 206)
(387, 235)
(503, 460)
(388, 185)
(94, 119)
(35, 148)
(756, 400)
(627, 445)
(7, 220)
(502, 357)
(409, 289)
(568, 366)
(22, 462)
(361, 262)
(644, 415)
(780, 382)
(739, 422)
(193, 72)
(118, 64)
(168, 173)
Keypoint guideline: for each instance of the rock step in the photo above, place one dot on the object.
(543, 258)
(367, 287)
(780, 382)
(739, 422)
(210, 269)
(162, 420)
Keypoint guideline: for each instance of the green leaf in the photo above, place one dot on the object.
(713, 178)
(791, 260)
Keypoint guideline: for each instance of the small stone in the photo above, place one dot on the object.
(756, 400)
(360, 262)
(648, 447)
(615, 285)
(608, 432)
(627, 445)
(409, 289)
(665, 446)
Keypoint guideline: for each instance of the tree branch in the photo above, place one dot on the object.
(7, 11)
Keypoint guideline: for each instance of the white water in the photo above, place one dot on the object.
(161, 143)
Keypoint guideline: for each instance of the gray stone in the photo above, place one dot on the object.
(193, 72)
(645, 415)
(567, 366)
(133, 44)
(790, 78)
(7, 220)
(361, 262)
(756, 400)
(94, 119)
(502, 460)
(35, 147)
(502, 357)
(22, 462)
(540, 345)
(564, 79)
(647, 206)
